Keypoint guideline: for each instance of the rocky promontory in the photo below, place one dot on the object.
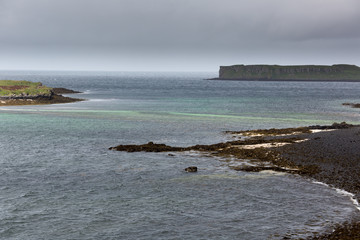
(32, 93)
(338, 72)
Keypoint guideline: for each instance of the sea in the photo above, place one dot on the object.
(58, 180)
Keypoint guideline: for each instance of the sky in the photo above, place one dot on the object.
(176, 35)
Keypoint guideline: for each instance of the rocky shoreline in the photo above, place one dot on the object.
(55, 97)
(329, 154)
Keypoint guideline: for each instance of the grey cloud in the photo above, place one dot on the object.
(317, 19)
(152, 21)
(167, 27)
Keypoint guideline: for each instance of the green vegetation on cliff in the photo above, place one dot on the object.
(11, 88)
(14, 93)
(339, 72)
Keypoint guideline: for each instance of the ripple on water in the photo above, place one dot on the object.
(58, 181)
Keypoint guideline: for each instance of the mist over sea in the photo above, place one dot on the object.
(58, 180)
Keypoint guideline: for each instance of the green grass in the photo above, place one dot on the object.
(23, 88)
(19, 83)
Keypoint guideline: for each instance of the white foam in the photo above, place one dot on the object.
(344, 193)
(271, 172)
(321, 130)
(321, 183)
(350, 195)
(102, 99)
(264, 145)
(87, 92)
(226, 175)
(250, 134)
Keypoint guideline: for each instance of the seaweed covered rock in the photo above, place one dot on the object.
(149, 147)
(335, 125)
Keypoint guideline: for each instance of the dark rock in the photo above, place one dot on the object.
(149, 147)
(24, 96)
(63, 91)
(353, 105)
(155, 147)
(191, 169)
(272, 131)
(342, 125)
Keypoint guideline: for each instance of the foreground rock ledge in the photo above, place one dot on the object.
(283, 148)
(332, 157)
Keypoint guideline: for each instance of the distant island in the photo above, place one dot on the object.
(338, 72)
(32, 93)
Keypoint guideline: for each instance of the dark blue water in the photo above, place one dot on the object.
(59, 181)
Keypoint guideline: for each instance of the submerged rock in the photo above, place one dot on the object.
(191, 169)
(353, 105)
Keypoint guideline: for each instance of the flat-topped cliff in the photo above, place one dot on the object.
(338, 72)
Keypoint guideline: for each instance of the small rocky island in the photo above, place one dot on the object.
(32, 93)
(339, 72)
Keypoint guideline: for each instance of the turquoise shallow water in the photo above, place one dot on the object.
(59, 181)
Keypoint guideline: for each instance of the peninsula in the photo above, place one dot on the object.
(32, 93)
(338, 72)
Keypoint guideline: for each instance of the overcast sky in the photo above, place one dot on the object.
(176, 35)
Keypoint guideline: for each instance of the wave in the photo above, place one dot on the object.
(102, 99)
(87, 92)
(342, 192)
(260, 118)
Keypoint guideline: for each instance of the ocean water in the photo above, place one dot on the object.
(58, 180)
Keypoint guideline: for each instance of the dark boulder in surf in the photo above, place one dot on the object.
(191, 169)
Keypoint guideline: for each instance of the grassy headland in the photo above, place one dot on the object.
(10, 88)
(30, 93)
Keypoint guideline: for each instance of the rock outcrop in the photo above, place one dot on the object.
(47, 96)
(64, 91)
(32, 93)
(191, 169)
(353, 105)
(339, 72)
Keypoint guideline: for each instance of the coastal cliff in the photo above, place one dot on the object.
(339, 72)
